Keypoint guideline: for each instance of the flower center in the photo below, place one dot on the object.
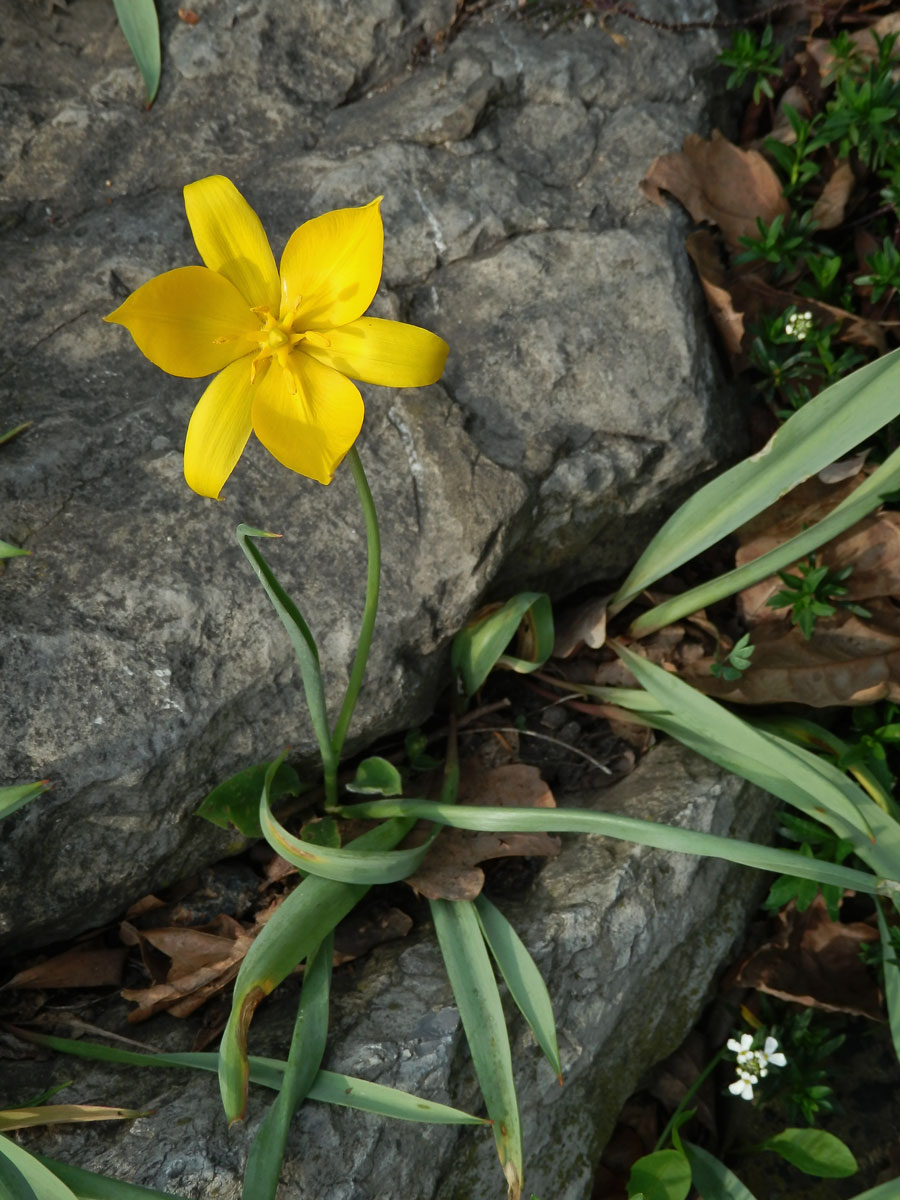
(277, 338)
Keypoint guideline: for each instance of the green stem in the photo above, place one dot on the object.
(358, 670)
(688, 1097)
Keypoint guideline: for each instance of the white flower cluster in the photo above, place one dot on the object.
(753, 1065)
(799, 325)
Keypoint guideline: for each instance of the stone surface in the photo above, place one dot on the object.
(628, 939)
(141, 663)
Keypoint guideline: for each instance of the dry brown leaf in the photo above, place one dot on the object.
(815, 961)
(829, 210)
(819, 49)
(702, 248)
(63, 1114)
(80, 967)
(796, 98)
(451, 871)
(718, 182)
(585, 626)
(846, 661)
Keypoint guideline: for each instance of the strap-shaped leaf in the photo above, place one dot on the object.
(18, 795)
(350, 865)
(862, 501)
(829, 426)
(481, 1012)
(42, 1183)
(141, 28)
(13, 1184)
(628, 829)
(88, 1185)
(479, 647)
(305, 1056)
(302, 640)
(329, 1087)
(524, 980)
(293, 931)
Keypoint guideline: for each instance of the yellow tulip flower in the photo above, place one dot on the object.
(283, 345)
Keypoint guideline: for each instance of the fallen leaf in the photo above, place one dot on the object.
(719, 182)
(63, 1114)
(819, 49)
(585, 626)
(758, 295)
(829, 210)
(703, 250)
(815, 961)
(76, 968)
(451, 871)
(847, 661)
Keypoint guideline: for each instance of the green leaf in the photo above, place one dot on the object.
(88, 1185)
(17, 796)
(628, 829)
(891, 979)
(712, 1178)
(376, 777)
(814, 1152)
(479, 647)
(664, 1175)
(8, 551)
(304, 1059)
(481, 1012)
(14, 432)
(329, 1087)
(302, 640)
(13, 1184)
(293, 931)
(43, 1184)
(345, 865)
(524, 980)
(140, 25)
(236, 800)
(828, 426)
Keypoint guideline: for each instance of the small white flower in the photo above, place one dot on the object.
(742, 1046)
(770, 1055)
(743, 1085)
(799, 325)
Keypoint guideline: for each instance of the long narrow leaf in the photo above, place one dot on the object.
(42, 1182)
(481, 1012)
(307, 1049)
(293, 931)
(524, 980)
(479, 647)
(830, 425)
(705, 716)
(712, 1178)
(63, 1114)
(628, 829)
(343, 865)
(18, 795)
(140, 26)
(298, 631)
(88, 1185)
(891, 979)
(329, 1087)
(852, 509)
(13, 1184)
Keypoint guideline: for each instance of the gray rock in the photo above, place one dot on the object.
(628, 939)
(141, 663)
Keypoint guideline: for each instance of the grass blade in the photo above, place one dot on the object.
(524, 980)
(141, 28)
(293, 931)
(13, 1184)
(857, 505)
(481, 1012)
(63, 1114)
(306, 1053)
(329, 1087)
(43, 1183)
(830, 425)
(891, 979)
(342, 865)
(712, 1178)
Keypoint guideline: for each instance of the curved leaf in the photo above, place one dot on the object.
(141, 28)
(480, 646)
(814, 1152)
(235, 801)
(712, 1178)
(663, 1175)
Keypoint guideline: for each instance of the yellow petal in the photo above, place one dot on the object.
(231, 240)
(190, 321)
(390, 353)
(218, 430)
(311, 429)
(333, 265)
